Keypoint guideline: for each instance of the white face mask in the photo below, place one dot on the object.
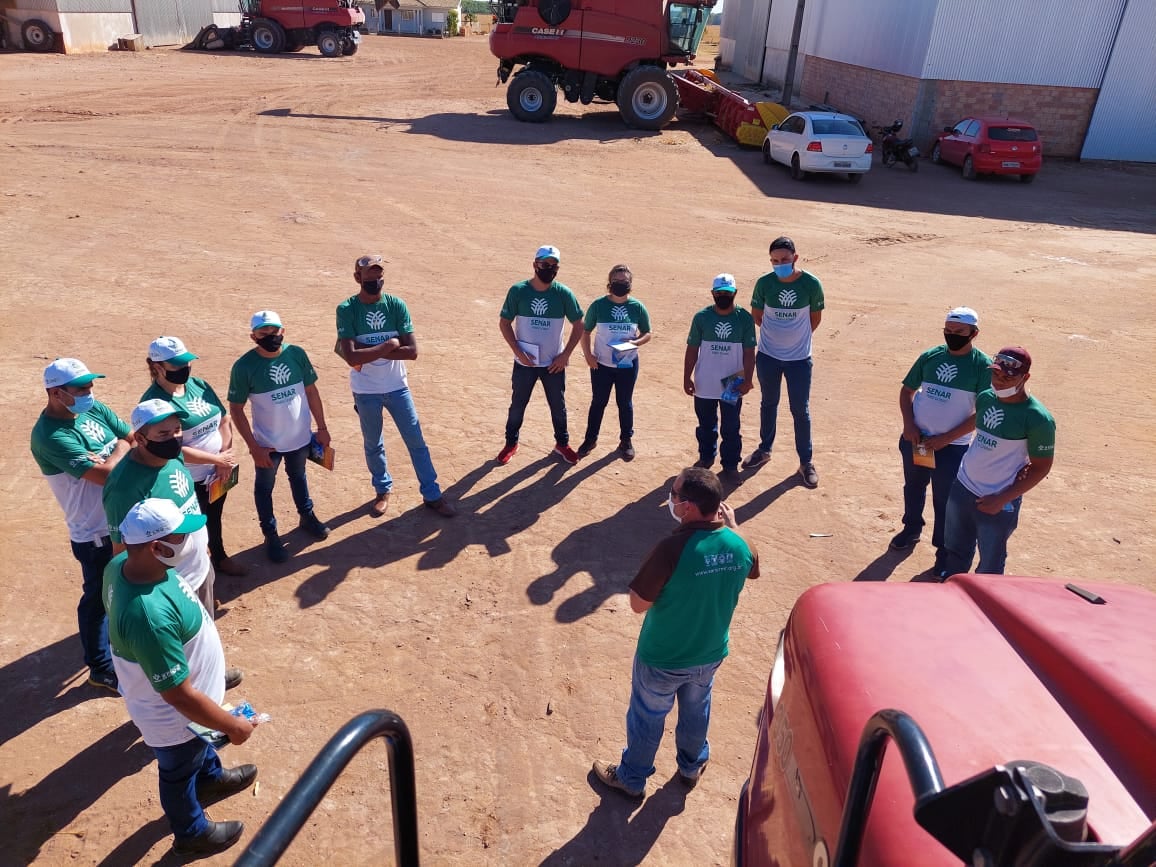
(1006, 392)
(179, 551)
(670, 505)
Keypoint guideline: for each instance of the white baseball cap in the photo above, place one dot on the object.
(68, 371)
(724, 283)
(547, 251)
(963, 314)
(151, 411)
(155, 518)
(263, 318)
(170, 349)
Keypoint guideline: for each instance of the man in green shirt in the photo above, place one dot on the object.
(77, 442)
(169, 660)
(688, 587)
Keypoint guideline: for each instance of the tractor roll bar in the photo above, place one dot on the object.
(918, 759)
(274, 838)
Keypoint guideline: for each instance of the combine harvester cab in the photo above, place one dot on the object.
(604, 50)
(1034, 700)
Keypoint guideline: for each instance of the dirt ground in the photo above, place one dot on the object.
(170, 192)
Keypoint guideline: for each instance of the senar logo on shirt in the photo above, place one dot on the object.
(375, 319)
(179, 483)
(92, 430)
(788, 297)
(162, 676)
(946, 372)
(199, 406)
(620, 313)
(280, 373)
(723, 330)
(993, 417)
(539, 306)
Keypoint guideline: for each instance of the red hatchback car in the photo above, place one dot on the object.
(991, 146)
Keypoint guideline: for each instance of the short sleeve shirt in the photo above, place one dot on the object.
(613, 323)
(693, 578)
(276, 388)
(1007, 437)
(721, 341)
(945, 387)
(369, 325)
(160, 636)
(539, 317)
(785, 333)
(201, 412)
(64, 450)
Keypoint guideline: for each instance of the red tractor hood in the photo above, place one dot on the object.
(993, 668)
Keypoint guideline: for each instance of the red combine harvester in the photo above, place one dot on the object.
(609, 50)
(1035, 698)
(274, 26)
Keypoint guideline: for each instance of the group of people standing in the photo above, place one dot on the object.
(144, 499)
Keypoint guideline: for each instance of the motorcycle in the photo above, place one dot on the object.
(896, 148)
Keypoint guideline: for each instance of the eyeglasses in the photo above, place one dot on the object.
(1007, 363)
(675, 495)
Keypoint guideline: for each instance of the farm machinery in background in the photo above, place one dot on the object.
(621, 53)
(274, 26)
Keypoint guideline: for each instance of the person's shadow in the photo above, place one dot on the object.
(611, 836)
(881, 567)
(610, 550)
(758, 503)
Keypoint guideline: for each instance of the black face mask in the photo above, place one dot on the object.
(956, 342)
(546, 273)
(619, 288)
(373, 287)
(165, 449)
(179, 376)
(724, 301)
(271, 342)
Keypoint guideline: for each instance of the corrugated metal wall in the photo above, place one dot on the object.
(1124, 122)
(1063, 43)
(888, 35)
(94, 5)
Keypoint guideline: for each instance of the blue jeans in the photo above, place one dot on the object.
(400, 406)
(554, 384)
(707, 432)
(652, 694)
(180, 769)
(621, 381)
(967, 526)
(264, 478)
(91, 620)
(915, 482)
(798, 376)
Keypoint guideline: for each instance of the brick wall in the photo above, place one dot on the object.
(1061, 114)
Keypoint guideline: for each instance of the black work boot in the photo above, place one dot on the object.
(274, 547)
(218, 837)
(312, 525)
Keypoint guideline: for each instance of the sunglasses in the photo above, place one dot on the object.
(1007, 363)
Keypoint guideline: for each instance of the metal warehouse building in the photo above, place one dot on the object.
(1084, 73)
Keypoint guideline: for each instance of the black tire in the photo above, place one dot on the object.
(937, 155)
(647, 98)
(268, 36)
(767, 152)
(855, 177)
(913, 163)
(1027, 179)
(889, 158)
(37, 35)
(531, 96)
(349, 48)
(968, 168)
(554, 12)
(330, 43)
(796, 170)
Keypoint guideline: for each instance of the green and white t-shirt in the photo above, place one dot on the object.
(64, 451)
(785, 333)
(369, 325)
(612, 322)
(130, 482)
(538, 317)
(1007, 436)
(276, 386)
(161, 636)
(693, 578)
(945, 387)
(721, 341)
(201, 413)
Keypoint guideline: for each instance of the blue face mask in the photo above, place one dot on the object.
(81, 403)
(784, 271)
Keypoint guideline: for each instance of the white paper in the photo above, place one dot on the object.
(531, 349)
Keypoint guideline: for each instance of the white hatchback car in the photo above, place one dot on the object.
(819, 141)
